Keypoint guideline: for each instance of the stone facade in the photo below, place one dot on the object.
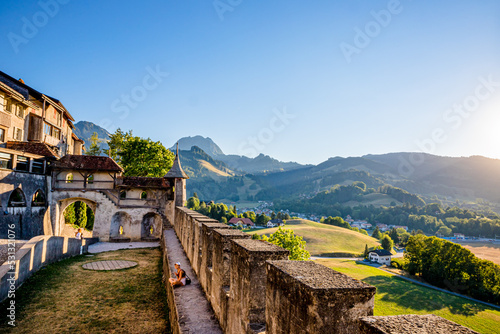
(29, 218)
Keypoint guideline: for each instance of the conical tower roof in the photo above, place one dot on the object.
(176, 170)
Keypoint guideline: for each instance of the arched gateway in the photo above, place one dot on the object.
(125, 208)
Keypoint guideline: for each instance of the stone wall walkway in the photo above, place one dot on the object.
(195, 313)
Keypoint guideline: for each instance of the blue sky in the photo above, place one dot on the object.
(298, 80)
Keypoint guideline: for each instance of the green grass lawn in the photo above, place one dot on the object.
(65, 298)
(323, 239)
(396, 296)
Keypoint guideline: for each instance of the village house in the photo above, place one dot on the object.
(459, 236)
(275, 222)
(380, 256)
(241, 222)
(383, 227)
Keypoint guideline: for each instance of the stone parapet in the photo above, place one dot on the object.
(247, 294)
(205, 275)
(253, 288)
(411, 324)
(221, 270)
(306, 297)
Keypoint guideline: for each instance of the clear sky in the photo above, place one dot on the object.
(298, 80)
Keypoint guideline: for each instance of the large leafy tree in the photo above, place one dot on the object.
(287, 239)
(193, 203)
(387, 243)
(413, 253)
(115, 143)
(94, 148)
(376, 233)
(144, 157)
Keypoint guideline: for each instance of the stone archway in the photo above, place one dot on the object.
(151, 226)
(63, 205)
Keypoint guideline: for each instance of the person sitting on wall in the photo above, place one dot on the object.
(79, 234)
(180, 275)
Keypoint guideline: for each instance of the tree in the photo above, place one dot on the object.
(90, 219)
(115, 143)
(387, 243)
(81, 214)
(394, 235)
(69, 214)
(223, 220)
(287, 239)
(262, 219)
(144, 157)
(413, 253)
(255, 236)
(193, 203)
(94, 148)
(365, 254)
(250, 215)
(376, 233)
(445, 231)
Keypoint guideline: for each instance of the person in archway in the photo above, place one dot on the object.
(180, 276)
(79, 234)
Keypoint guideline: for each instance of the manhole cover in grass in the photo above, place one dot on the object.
(109, 265)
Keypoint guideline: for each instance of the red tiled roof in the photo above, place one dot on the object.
(142, 182)
(87, 162)
(33, 148)
(246, 221)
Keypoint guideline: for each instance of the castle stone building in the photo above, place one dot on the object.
(43, 171)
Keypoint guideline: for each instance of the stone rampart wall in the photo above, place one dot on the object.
(254, 288)
(35, 254)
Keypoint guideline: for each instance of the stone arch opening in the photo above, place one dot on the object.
(38, 198)
(17, 198)
(77, 213)
(121, 224)
(151, 226)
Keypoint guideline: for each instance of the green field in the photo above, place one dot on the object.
(396, 296)
(324, 240)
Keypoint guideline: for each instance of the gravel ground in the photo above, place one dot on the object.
(4, 245)
(112, 246)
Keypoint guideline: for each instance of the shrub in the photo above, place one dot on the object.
(398, 263)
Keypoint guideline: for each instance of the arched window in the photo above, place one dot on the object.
(38, 199)
(144, 195)
(69, 178)
(123, 194)
(90, 179)
(17, 198)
